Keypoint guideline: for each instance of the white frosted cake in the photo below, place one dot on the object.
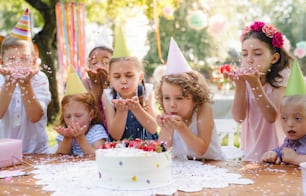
(133, 169)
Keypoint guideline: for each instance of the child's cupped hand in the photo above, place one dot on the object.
(120, 104)
(170, 121)
(98, 76)
(133, 103)
(73, 130)
(18, 74)
(249, 74)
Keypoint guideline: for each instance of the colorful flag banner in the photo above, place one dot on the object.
(70, 21)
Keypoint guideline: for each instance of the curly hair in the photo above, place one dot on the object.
(192, 83)
(89, 101)
(273, 76)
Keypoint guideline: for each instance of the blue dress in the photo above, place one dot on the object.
(133, 129)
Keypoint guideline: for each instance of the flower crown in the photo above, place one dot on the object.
(269, 30)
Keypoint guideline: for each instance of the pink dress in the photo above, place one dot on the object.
(259, 136)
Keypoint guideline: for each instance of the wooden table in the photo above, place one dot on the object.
(269, 179)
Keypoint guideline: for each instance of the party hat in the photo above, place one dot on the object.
(104, 39)
(296, 84)
(22, 30)
(176, 62)
(74, 85)
(120, 48)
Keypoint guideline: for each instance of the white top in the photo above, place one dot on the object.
(15, 123)
(181, 150)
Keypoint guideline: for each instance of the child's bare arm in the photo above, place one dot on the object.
(115, 120)
(145, 115)
(6, 94)
(32, 106)
(64, 147)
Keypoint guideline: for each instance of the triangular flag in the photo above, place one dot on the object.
(176, 62)
(296, 84)
(74, 85)
(120, 48)
(22, 29)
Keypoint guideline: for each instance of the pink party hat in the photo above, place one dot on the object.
(176, 62)
(120, 48)
(296, 84)
(22, 30)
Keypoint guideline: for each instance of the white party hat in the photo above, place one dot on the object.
(104, 39)
(176, 62)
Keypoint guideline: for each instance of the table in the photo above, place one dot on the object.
(268, 179)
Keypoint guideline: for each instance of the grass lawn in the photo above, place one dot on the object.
(51, 135)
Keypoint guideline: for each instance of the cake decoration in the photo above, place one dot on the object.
(145, 145)
(139, 164)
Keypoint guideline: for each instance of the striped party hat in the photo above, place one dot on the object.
(22, 30)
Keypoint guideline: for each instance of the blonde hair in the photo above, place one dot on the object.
(299, 100)
(10, 42)
(192, 83)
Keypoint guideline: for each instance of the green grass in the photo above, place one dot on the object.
(51, 135)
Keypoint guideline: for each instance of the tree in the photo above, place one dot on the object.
(194, 43)
(46, 42)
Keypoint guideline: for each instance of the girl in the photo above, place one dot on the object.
(81, 133)
(128, 105)
(260, 85)
(98, 64)
(187, 123)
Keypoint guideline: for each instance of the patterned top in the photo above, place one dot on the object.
(297, 145)
(133, 128)
(95, 133)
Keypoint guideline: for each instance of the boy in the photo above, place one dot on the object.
(24, 91)
(293, 121)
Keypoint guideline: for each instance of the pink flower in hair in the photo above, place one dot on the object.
(269, 30)
(246, 30)
(257, 26)
(278, 40)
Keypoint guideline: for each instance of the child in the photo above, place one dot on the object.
(187, 123)
(98, 64)
(24, 91)
(260, 85)
(128, 105)
(81, 132)
(293, 121)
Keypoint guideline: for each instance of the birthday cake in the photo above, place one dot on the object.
(137, 165)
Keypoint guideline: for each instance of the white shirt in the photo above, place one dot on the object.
(15, 123)
(181, 150)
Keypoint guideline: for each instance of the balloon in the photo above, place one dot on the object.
(197, 20)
